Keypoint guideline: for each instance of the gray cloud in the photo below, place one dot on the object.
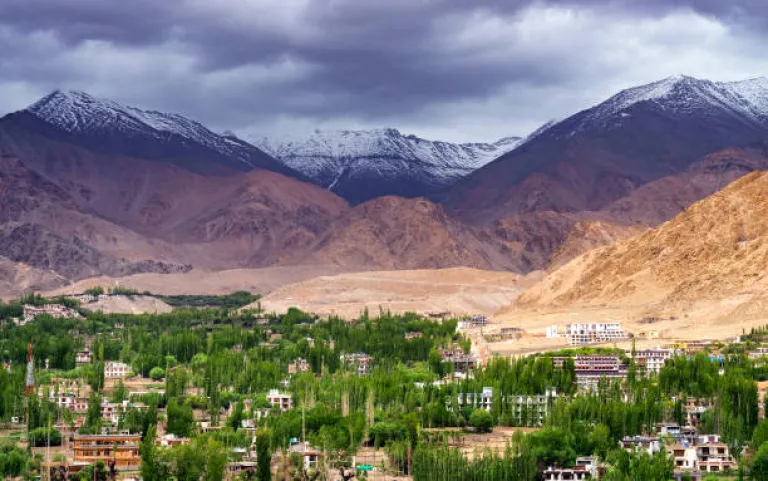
(459, 69)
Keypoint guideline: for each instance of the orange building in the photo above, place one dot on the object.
(123, 448)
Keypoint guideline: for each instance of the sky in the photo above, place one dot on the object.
(456, 70)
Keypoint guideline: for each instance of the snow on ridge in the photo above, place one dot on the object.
(324, 155)
(747, 99)
(79, 112)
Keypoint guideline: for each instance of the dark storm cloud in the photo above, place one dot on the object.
(232, 63)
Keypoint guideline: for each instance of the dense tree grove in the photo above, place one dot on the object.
(220, 363)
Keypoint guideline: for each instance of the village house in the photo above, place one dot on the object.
(576, 473)
(76, 405)
(310, 455)
(412, 335)
(122, 448)
(280, 401)
(650, 445)
(83, 357)
(684, 457)
(694, 408)
(359, 359)
(171, 440)
(758, 353)
(510, 332)
(114, 370)
(299, 365)
(714, 457)
(111, 412)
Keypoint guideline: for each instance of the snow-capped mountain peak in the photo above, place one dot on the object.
(686, 95)
(79, 113)
(334, 158)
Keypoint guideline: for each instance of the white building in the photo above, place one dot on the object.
(481, 400)
(653, 359)
(114, 370)
(588, 333)
(641, 443)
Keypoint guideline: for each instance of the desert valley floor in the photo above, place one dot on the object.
(459, 291)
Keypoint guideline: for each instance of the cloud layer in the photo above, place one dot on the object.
(452, 69)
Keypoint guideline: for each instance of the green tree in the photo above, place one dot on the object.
(93, 415)
(236, 419)
(119, 393)
(216, 460)
(481, 420)
(152, 468)
(600, 439)
(263, 454)
(760, 436)
(156, 373)
(759, 469)
(44, 436)
(181, 419)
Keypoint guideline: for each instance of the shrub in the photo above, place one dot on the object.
(39, 437)
(481, 420)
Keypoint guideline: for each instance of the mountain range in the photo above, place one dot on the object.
(89, 186)
(363, 165)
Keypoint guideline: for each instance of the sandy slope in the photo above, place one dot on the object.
(457, 290)
(200, 281)
(702, 274)
(129, 305)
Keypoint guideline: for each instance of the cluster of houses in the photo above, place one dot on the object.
(587, 467)
(476, 320)
(359, 360)
(691, 452)
(299, 365)
(57, 311)
(504, 334)
(588, 333)
(462, 363)
(590, 369)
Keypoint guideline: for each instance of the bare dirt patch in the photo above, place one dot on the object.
(457, 290)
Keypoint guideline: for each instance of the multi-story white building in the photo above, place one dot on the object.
(588, 333)
(481, 400)
(653, 359)
(114, 370)
(530, 410)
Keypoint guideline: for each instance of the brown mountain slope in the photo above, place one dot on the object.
(17, 278)
(149, 209)
(659, 201)
(718, 247)
(600, 155)
(41, 226)
(397, 233)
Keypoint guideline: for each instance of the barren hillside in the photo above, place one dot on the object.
(716, 248)
(458, 290)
